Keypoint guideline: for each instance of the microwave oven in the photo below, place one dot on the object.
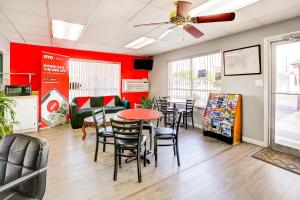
(18, 90)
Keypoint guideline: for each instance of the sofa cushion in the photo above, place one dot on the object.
(96, 102)
(114, 109)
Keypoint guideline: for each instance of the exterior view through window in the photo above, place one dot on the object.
(93, 78)
(195, 77)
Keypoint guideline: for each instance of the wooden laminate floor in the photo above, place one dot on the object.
(210, 170)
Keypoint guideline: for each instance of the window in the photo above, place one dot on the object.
(93, 78)
(195, 77)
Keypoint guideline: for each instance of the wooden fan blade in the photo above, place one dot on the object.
(151, 24)
(183, 8)
(214, 18)
(193, 31)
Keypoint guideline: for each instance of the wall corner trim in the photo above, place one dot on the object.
(252, 141)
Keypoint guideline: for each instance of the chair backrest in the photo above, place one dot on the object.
(165, 97)
(176, 123)
(189, 106)
(19, 156)
(99, 118)
(126, 130)
(162, 105)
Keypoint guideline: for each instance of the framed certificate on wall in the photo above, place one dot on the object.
(242, 61)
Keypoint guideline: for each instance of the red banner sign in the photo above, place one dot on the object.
(54, 89)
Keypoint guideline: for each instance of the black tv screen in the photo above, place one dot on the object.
(143, 64)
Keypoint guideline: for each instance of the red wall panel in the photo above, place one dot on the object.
(27, 58)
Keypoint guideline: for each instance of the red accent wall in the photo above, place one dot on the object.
(27, 58)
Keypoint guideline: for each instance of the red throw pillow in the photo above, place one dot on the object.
(109, 101)
(83, 102)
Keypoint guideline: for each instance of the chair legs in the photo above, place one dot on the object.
(104, 144)
(175, 150)
(96, 150)
(155, 151)
(177, 153)
(116, 163)
(139, 166)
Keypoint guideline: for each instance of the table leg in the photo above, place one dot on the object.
(83, 132)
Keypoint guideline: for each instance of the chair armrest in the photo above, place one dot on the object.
(73, 107)
(21, 180)
(125, 103)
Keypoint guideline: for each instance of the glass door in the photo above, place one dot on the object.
(285, 87)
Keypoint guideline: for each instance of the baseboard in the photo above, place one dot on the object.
(252, 141)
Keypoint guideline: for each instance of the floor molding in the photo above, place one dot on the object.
(252, 141)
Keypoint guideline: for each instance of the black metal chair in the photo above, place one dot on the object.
(104, 133)
(187, 112)
(23, 167)
(170, 134)
(162, 105)
(128, 137)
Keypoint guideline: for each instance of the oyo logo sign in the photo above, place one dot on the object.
(48, 57)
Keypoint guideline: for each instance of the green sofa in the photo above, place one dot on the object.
(77, 115)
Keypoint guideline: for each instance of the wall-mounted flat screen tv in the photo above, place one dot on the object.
(143, 64)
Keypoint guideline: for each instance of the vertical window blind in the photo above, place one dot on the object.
(195, 77)
(93, 78)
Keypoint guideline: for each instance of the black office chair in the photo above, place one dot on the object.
(188, 112)
(104, 133)
(128, 137)
(23, 167)
(161, 133)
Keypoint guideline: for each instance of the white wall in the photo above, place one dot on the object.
(253, 97)
(5, 50)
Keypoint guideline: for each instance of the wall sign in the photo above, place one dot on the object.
(54, 89)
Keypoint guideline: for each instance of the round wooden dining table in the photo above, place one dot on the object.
(140, 114)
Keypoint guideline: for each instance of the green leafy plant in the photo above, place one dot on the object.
(147, 102)
(7, 114)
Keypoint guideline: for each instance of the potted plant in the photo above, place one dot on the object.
(7, 114)
(147, 102)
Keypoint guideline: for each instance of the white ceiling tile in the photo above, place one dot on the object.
(107, 22)
(5, 26)
(23, 29)
(27, 19)
(41, 43)
(151, 14)
(35, 38)
(2, 17)
(36, 7)
(81, 3)
(267, 7)
(12, 36)
(118, 10)
(86, 46)
(280, 15)
(70, 12)
(63, 43)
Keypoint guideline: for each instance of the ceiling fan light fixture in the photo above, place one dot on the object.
(66, 30)
(139, 43)
(220, 6)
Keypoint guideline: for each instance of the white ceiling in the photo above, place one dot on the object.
(109, 23)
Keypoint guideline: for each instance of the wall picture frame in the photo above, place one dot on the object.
(242, 61)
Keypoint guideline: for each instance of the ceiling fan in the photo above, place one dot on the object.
(181, 18)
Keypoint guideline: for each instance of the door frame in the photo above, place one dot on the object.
(267, 84)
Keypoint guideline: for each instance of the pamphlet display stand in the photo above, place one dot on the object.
(223, 117)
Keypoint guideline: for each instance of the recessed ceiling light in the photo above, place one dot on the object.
(220, 6)
(140, 42)
(66, 30)
(167, 32)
